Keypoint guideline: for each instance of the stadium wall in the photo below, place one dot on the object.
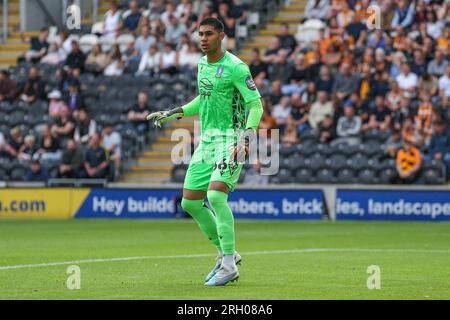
(334, 202)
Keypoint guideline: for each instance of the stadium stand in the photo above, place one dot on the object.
(386, 87)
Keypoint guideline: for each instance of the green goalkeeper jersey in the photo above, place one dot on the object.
(224, 88)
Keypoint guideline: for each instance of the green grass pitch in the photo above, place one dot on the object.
(281, 260)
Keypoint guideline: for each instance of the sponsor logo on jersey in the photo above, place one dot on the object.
(250, 83)
(206, 87)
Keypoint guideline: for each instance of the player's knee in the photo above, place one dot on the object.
(216, 198)
(191, 205)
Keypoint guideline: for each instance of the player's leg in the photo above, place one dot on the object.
(194, 192)
(223, 181)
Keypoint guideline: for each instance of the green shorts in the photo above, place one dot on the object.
(211, 162)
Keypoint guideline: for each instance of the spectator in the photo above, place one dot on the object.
(15, 141)
(324, 81)
(28, 148)
(408, 163)
(356, 31)
(150, 62)
(3, 145)
(165, 16)
(287, 40)
(138, 113)
(55, 104)
(439, 148)
(419, 65)
(404, 14)
(72, 161)
(85, 127)
(281, 112)
(55, 55)
(253, 176)
(299, 112)
(111, 21)
(132, 17)
(320, 109)
(189, 60)
(348, 127)
(394, 143)
(33, 88)
(74, 98)
(144, 41)
(444, 88)
(39, 46)
(271, 53)
(95, 163)
(258, 68)
(97, 60)
(438, 65)
(290, 136)
(380, 118)
(300, 75)
(64, 126)
(407, 81)
(228, 21)
(317, 9)
(7, 87)
(345, 82)
(168, 60)
(37, 172)
(175, 30)
(113, 145)
(76, 58)
(281, 69)
(48, 147)
(326, 130)
(117, 65)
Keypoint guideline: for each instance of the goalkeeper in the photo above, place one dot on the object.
(229, 107)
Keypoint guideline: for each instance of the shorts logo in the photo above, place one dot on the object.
(250, 83)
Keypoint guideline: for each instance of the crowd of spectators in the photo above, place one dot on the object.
(164, 41)
(353, 79)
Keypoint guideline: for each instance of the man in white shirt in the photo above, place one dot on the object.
(112, 142)
(144, 41)
(320, 109)
(407, 81)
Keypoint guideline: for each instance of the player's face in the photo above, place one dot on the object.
(210, 39)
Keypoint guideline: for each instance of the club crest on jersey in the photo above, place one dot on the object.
(219, 72)
(250, 83)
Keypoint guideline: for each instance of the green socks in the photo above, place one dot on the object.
(225, 220)
(204, 218)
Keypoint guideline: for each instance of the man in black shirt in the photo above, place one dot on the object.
(137, 115)
(287, 40)
(95, 164)
(76, 58)
(72, 161)
(257, 66)
(39, 46)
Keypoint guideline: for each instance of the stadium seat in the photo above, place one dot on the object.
(303, 176)
(345, 176)
(367, 176)
(317, 161)
(284, 176)
(325, 176)
(3, 174)
(337, 162)
(124, 40)
(387, 175)
(106, 42)
(87, 42)
(18, 172)
(357, 161)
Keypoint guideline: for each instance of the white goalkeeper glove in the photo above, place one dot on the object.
(161, 117)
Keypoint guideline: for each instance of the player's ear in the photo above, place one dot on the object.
(222, 35)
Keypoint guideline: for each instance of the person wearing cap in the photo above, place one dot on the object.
(55, 104)
(7, 87)
(37, 172)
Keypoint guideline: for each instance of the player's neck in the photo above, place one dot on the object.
(215, 56)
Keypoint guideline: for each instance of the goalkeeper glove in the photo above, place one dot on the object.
(241, 149)
(161, 117)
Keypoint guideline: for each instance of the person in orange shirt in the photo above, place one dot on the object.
(408, 163)
(424, 117)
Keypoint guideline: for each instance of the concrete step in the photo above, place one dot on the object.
(276, 26)
(148, 169)
(294, 20)
(274, 32)
(146, 175)
(22, 47)
(155, 154)
(154, 161)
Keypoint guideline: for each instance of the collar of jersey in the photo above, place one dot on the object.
(212, 64)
